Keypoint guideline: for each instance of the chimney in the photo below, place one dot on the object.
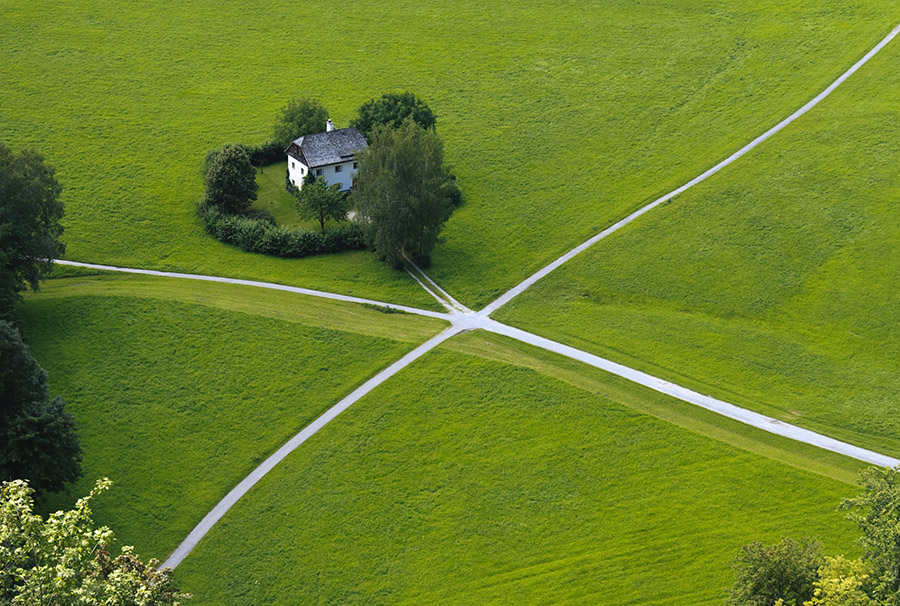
(329, 126)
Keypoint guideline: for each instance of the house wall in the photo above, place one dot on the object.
(344, 178)
(296, 171)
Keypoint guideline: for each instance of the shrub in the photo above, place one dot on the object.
(261, 235)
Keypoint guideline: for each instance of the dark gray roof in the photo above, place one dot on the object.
(328, 148)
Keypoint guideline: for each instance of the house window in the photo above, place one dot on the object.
(302, 171)
(318, 172)
(293, 165)
(338, 168)
(355, 165)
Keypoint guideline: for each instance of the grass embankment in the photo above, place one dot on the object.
(465, 480)
(773, 285)
(180, 389)
(559, 118)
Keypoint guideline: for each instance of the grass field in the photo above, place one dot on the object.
(771, 285)
(179, 393)
(558, 118)
(465, 480)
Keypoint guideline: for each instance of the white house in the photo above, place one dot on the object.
(330, 155)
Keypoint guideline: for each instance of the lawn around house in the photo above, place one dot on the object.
(772, 285)
(543, 115)
(179, 391)
(469, 480)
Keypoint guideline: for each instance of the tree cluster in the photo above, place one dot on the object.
(30, 212)
(392, 110)
(795, 573)
(38, 441)
(65, 560)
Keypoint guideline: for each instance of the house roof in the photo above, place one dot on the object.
(332, 147)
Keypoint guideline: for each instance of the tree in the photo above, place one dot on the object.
(392, 109)
(64, 560)
(403, 192)
(319, 201)
(842, 582)
(785, 571)
(877, 514)
(37, 436)
(30, 212)
(231, 179)
(299, 117)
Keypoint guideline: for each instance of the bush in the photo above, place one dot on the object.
(230, 178)
(260, 235)
(266, 153)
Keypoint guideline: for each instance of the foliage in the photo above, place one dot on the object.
(230, 179)
(37, 436)
(784, 571)
(299, 117)
(262, 236)
(30, 212)
(63, 560)
(403, 194)
(392, 110)
(877, 513)
(842, 582)
(317, 200)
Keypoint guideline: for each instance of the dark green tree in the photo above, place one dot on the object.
(321, 202)
(785, 571)
(392, 109)
(37, 436)
(30, 212)
(231, 179)
(299, 117)
(403, 192)
(877, 513)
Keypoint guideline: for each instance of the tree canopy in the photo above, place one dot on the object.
(231, 179)
(299, 117)
(320, 201)
(877, 514)
(30, 212)
(37, 436)
(64, 560)
(392, 109)
(785, 571)
(403, 194)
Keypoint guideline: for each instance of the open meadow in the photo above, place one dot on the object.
(467, 480)
(487, 471)
(772, 285)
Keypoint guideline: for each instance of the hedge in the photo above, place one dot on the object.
(262, 235)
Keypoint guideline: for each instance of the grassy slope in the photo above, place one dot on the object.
(773, 284)
(178, 394)
(472, 481)
(559, 117)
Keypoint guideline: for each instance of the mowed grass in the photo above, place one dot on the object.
(558, 118)
(472, 481)
(772, 285)
(179, 392)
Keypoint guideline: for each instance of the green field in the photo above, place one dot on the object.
(558, 118)
(471, 481)
(771, 285)
(488, 471)
(179, 392)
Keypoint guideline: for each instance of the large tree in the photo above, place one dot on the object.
(231, 179)
(64, 560)
(392, 109)
(320, 201)
(30, 212)
(37, 436)
(403, 193)
(299, 117)
(877, 513)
